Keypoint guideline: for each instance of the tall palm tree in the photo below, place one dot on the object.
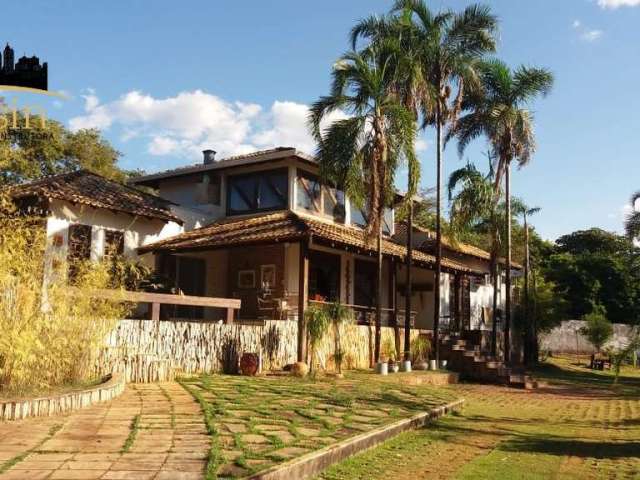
(450, 46)
(632, 223)
(531, 330)
(499, 111)
(411, 90)
(474, 207)
(362, 152)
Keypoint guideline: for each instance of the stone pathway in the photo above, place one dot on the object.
(153, 431)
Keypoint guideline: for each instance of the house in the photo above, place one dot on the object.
(87, 216)
(278, 239)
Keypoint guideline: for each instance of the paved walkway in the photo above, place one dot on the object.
(153, 431)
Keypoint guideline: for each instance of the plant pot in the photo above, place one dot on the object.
(406, 366)
(249, 364)
(394, 368)
(382, 368)
(433, 365)
(421, 366)
(443, 364)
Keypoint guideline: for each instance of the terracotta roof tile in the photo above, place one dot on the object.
(86, 188)
(282, 227)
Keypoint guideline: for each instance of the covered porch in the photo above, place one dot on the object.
(278, 264)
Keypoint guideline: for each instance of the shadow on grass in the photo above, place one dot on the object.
(570, 447)
(586, 382)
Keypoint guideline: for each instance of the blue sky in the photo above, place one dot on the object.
(165, 79)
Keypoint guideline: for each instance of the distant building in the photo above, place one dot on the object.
(27, 72)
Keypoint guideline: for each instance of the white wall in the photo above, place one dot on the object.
(138, 231)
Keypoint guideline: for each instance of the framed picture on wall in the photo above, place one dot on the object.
(268, 276)
(246, 279)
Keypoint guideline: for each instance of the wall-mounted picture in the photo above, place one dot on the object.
(246, 279)
(268, 276)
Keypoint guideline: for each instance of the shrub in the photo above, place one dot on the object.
(598, 329)
(420, 349)
(318, 321)
(49, 336)
(339, 315)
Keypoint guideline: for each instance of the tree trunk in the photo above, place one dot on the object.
(528, 344)
(494, 313)
(408, 292)
(379, 291)
(536, 347)
(436, 287)
(507, 319)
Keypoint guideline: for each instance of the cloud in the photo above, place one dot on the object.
(185, 124)
(613, 4)
(584, 33)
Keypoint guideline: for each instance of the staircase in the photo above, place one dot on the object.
(472, 364)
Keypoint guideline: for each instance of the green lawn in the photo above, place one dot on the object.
(580, 427)
(257, 422)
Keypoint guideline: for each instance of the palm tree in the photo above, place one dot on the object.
(531, 330)
(632, 223)
(500, 113)
(362, 152)
(474, 207)
(450, 45)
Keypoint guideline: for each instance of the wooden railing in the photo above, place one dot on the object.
(231, 305)
(365, 315)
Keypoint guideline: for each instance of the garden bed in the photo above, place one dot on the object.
(259, 422)
(62, 402)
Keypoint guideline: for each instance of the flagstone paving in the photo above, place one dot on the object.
(259, 422)
(153, 431)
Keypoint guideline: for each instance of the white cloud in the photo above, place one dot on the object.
(613, 4)
(189, 122)
(584, 33)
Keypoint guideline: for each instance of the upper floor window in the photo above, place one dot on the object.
(257, 192)
(318, 198)
(359, 218)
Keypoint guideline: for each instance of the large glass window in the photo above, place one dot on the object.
(320, 199)
(359, 218)
(257, 192)
(324, 276)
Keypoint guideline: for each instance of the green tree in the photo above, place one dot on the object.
(48, 148)
(450, 45)
(499, 112)
(361, 153)
(598, 329)
(632, 223)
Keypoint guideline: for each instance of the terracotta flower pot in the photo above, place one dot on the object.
(249, 363)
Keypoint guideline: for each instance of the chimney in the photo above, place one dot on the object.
(209, 156)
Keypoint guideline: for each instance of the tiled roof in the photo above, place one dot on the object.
(236, 160)
(429, 244)
(286, 226)
(86, 188)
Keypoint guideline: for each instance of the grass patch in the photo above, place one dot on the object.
(135, 427)
(18, 458)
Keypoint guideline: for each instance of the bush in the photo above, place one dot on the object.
(598, 329)
(49, 336)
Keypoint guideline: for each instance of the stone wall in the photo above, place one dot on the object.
(145, 351)
(566, 338)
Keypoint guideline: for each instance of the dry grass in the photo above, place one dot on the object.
(49, 337)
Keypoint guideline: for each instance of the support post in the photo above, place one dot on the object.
(229, 316)
(393, 303)
(303, 275)
(408, 292)
(507, 319)
(155, 316)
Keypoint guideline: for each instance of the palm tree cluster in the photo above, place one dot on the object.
(413, 69)
(632, 223)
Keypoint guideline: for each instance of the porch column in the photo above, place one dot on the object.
(303, 275)
(393, 303)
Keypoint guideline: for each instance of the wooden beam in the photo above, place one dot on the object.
(303, 276)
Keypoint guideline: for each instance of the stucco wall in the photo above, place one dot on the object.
(566, 338)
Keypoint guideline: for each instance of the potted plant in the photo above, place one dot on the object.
(420, 350)
(382, 367)
(340, 315)
(318, 321)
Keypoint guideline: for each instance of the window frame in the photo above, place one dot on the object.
(257, 174)
(324, 190)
